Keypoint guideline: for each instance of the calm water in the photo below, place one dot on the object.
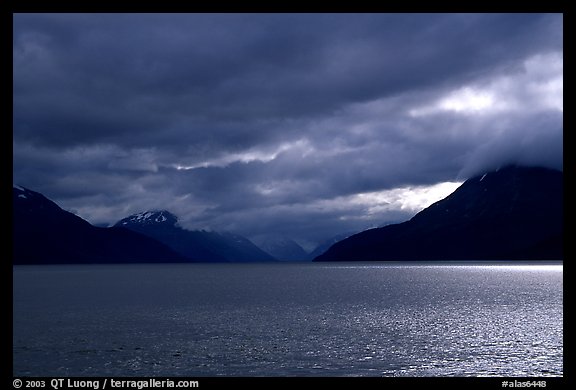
(288, 320)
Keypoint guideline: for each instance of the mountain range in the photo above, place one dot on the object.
(195, 245)
(43, 233)
(512, 213)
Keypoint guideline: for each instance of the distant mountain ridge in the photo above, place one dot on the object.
(195, 245)
(282, 248)
(514, 213)
(325, 245)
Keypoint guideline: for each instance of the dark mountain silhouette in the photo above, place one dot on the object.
(195, 245)
(512, 213)
(43, 233)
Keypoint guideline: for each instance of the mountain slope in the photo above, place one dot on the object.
(43, 233)
(194, 245)
(282, 248)
(513, 213)
(324, 246)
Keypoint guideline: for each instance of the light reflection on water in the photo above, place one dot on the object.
(527, 268)
(289, 320)
(553, 267)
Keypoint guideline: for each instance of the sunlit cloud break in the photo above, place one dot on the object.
(410, 199)
(538, 85)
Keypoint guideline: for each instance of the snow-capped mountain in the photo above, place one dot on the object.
(151, 218)
(43, 233)
(194, 245)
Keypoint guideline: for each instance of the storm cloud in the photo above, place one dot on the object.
(301, 125)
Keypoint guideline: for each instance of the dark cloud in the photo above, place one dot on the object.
(260, 123)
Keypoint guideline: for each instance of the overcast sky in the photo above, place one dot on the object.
(305, 125)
